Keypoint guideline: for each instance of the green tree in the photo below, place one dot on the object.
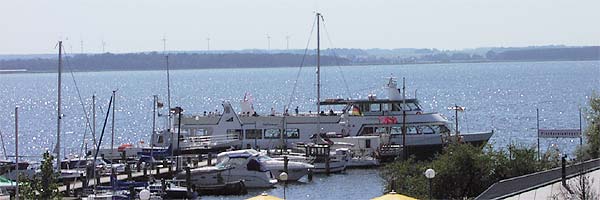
(43, 185)
(591, 149)
(463, 170)
(407, 177)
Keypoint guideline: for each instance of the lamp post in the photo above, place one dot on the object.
(430, 174)
(284, 177)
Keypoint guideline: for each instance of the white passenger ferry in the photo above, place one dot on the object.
(425, 131)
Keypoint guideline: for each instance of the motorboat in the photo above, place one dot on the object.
(295, 170)
(319, 155)
(168, 190)
(233, 168)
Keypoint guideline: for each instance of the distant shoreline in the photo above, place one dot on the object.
(25, 71)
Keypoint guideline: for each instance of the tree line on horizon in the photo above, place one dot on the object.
(338, 57)
(158, 61)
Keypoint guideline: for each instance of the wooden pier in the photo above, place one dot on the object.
(160, 171)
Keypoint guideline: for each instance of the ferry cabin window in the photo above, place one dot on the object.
(440, 129)
(201, 132)
(386, 107)
(395, 130)
(292, 133)
(411, 130)
(381, 130)
(424, 130)
(396, 107)
(367, 131)
(254, 133)
(234, 133)
(375, 107)
(272, 133)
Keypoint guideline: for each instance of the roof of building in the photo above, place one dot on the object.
(517, 185)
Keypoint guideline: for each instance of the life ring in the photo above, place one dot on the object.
(419, 112)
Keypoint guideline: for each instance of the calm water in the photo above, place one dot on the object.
(499, 96)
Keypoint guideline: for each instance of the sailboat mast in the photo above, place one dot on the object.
(112, 131)
(94, 119)
(59, 116)
(17, 151)
(168, 94)
(318, 75)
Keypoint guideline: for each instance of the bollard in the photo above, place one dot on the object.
(188, 179)
(327, 165)
(68, 188)
(97, 175)
(132, 193)
(285, 164)
(84, 181)
(209, 161)
(310, 175)
(124, 156)
(327, 160)
(128, 170)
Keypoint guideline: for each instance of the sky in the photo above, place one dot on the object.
(32, 27)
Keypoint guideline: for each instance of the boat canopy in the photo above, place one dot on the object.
(362, 101)
(245, 153)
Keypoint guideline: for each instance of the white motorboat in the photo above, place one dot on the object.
(338, 158)
(233, 167)
(295, 170)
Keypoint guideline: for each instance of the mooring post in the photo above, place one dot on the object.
(66, 183)
(132, 193)
(188, 179)
(97, 175)
(327, 158)
(84, 182)
(285, 164)
(128, 170)
(145, 171)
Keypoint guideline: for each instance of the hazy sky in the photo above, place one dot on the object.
(128, 26)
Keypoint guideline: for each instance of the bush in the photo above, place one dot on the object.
(43, 185)
(463, 170)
